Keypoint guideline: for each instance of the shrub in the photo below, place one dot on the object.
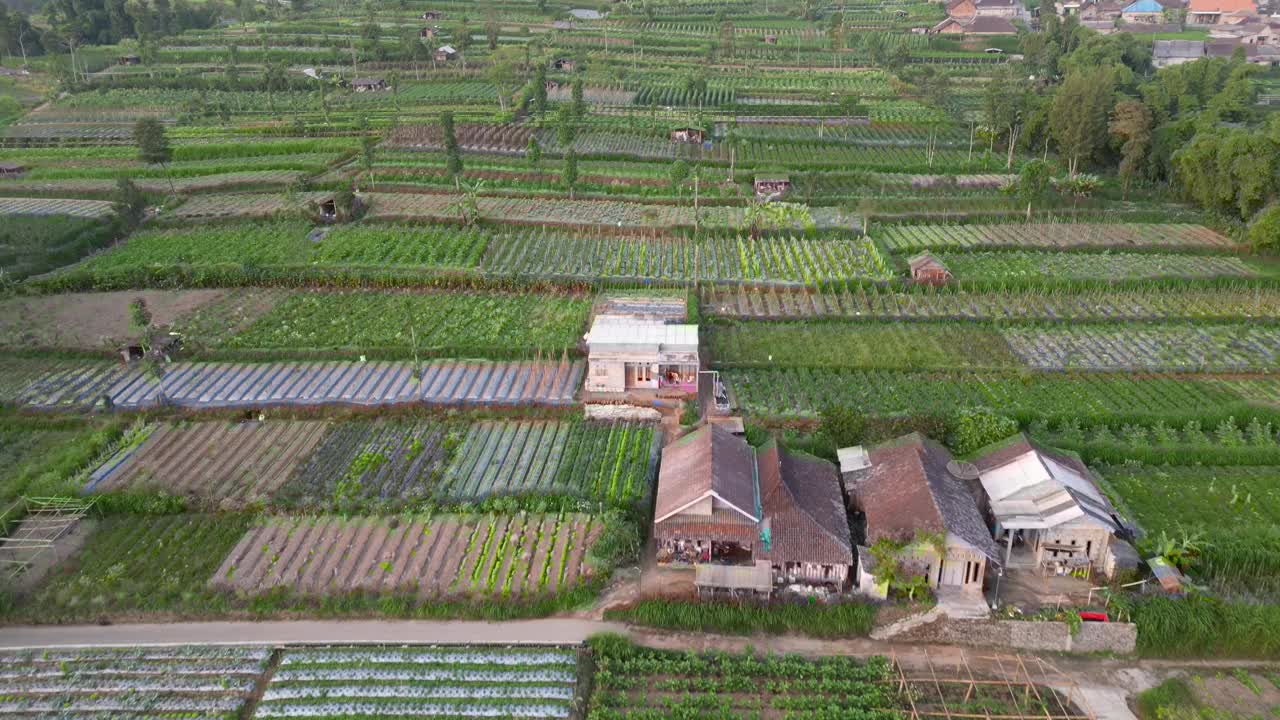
(974, 428)
(1264, 231)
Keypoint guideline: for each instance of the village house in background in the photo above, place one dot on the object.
(1167, 53)
(746, 521)
(981, 17)
(1220, 12)
(1143, 11)
(908, 491)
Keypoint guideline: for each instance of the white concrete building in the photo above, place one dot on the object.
(629, 353)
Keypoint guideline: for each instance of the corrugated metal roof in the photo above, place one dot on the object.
(622, 330)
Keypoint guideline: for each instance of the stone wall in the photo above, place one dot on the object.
(1040, 636)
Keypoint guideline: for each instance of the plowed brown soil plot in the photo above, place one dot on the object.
(476, 555)
(227, 464)
(90, 321)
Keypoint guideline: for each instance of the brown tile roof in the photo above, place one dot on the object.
(911, 489)
(708, 461)
(805, 509)
(1223, 6)
(990, 25)
(722, 525)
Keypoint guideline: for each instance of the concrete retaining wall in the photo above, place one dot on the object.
(1040, 636)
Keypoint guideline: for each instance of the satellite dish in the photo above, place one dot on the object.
(963, 470)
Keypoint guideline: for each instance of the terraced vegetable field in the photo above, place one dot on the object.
(173, 682)
(452, 325)
(1090, 395)
(644, 684)
(606, 463)
(222, 464)
(1223, 348)
(1111, 304)
(910, 238)
(80, 384)
(766, 260)
(932, 346)
(1014, 265)
(497, 556)
(54, 206)
(469, 681)
(360, 462)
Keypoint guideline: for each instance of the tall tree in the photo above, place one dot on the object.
(1033, 184)
(571, 171)
(453, 156)
(1078, 123)
(503, 73)
(1005, 103)
(153, 145)
(578, 105)
(491, 34)
(1131, 123)
(540, 89)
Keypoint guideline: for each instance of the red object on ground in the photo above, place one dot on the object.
(1090, 616)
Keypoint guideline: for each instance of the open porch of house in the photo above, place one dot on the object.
(697, 551)
(1049, 553)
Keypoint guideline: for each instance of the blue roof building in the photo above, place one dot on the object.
(1143, 6)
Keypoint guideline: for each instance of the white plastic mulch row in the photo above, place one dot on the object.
(431, 681)
(55, 206)
(226, 385)
(425, 674)
(496, 656)
(524, 692)
(388, 710)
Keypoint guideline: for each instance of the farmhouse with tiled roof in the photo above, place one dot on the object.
(745, 519)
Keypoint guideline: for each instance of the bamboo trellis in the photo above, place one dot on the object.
(1030, 688)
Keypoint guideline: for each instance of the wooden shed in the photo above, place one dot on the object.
(11, 169)
(368, 84)
(928, 270)
(563, 64)
(433, 15)
(766, 185)
(427, 33)
(688, 135)
(770, 39)
(130, 60)
(445, 53)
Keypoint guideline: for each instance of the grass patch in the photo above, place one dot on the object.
(848, 619)
(1170, 700)
(438, 325)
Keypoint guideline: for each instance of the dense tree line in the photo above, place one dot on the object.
(1097, 101)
